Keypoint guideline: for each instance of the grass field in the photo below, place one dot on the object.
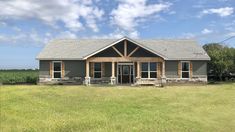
(18, 76)
(121, 108)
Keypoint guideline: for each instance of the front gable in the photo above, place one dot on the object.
(140, 52)
(109, 52)
(124, 48)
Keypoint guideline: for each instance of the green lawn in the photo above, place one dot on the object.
(121, 108)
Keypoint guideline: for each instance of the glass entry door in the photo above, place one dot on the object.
(125, 73)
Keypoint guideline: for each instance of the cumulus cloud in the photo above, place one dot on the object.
(130, 13)
(206, 31)
(32, 38)
(222, 12)
(134, 34)
(66, 35)
(117, 34)
(69, 12)
(188, 36)
(231, 34)
(3, 24)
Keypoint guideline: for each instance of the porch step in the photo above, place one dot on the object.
(150, 82)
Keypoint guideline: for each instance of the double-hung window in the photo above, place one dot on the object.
(57, 69)
(149, 70)
(185, 69)
(97, 70)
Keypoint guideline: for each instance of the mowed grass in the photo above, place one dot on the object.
(122, 108)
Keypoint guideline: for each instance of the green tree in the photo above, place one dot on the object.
(222, 59)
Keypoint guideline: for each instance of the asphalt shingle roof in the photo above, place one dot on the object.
(76, 49)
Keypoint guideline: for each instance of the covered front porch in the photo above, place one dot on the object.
(125, 70)
(130, 63)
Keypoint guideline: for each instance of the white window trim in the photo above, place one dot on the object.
(149, 70)
(56, 71)
(185, 71)
(98, 71)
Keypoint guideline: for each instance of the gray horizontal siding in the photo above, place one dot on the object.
(44, 69)
(74, 68)
(171, 69)
(199, 68)
(108, 69)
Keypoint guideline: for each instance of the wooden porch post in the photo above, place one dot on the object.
(138, 70)
(113, 69)
(87, 68)
(113, 78)
(87, 78)
(163, 69)
(138, 78)
(163, 73)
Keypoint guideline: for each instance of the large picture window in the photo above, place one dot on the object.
(57, 69)
(149, 70)
(185, 69)
(97, 70)
(144, 70)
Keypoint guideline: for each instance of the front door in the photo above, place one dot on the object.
(125, 73)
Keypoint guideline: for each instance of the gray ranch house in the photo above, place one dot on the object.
(122, 61)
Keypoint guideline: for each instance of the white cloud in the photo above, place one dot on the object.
(70, 12)
(130, 13)
(188, 36)
(117, 34)
(230, 26)
(48, 34)
(17, 29)
(134, 34)
(3, 24)
(67, 35)
(206, 31)
(172, 12)
(32, 38)
(222, 12)
(108, 36)
(231, 34)
(223, 0)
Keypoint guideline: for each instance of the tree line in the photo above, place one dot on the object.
(222, 64)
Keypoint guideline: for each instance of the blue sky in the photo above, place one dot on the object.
(27, 25)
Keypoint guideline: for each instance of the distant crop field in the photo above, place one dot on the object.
(18, 76)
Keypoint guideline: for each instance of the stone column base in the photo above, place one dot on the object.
(87, 81)
(112, 80)
(137, 80)
(163, 80)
